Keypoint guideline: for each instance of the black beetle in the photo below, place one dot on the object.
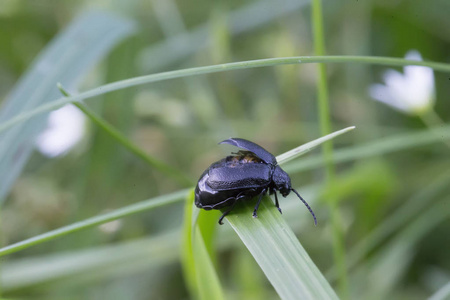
(243, 176)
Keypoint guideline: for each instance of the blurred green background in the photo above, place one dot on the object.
(392, 186)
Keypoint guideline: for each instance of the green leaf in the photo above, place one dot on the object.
(187, 254)
(388, 144)
(279, 253)
(401, 217)
(275, 247)
(377, 277)
(97, 220)
(68, 57)
(200, 275)
(207, 279)
(300, 150)
(442, 294)
(159, 165)
(93, 264)
(389, 61)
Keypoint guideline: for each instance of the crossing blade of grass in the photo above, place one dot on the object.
(68, 57)
(187, 251)
(105, 262)
(97, 220)
(93, 264)
(285, 157)
(442, 294)
(164, 168)
(403, 215)
(207, 279)
(389, 144)
(243, 19)
(389, 61)
(200, 275)
(377, 277)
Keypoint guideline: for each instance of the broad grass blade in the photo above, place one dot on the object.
(66, 59)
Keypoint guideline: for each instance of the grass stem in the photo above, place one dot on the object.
(325, 128)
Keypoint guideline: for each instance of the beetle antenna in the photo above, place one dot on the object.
(307, 206)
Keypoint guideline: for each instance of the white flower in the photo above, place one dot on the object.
(66, 127)
(411, 92)
(111, 227)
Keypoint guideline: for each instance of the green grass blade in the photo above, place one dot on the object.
(68, 57)
(381, 277)
(275, 247)
(403, 215)
(207, 279)
(244, 19)
(124, 141)
(285, 157)
(187, 254)
(389, 61)
(279, 253)
(92, 265)
(389, 144)
(442, 294)
(106, 262)
(200, 275)
(97, 220)
(324, 118)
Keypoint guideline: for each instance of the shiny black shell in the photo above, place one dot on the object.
(231, 178)
(239, 177)
(242, 176)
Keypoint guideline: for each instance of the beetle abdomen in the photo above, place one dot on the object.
(239, 176)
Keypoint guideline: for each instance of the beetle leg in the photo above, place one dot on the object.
(227, 212)
(255, 214)
(276, 202)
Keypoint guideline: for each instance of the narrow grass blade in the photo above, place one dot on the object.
(98, 220)
(279, 253)
(381, 277)
(70, 55)
(442, 294)
(92, 265)
(124, 141)
(388, 61)
(207, 279)
(243, 19)
(25, 272)
(187, 249)
(200, 275)
(386, 145)
(275, 247)
(285, 157)
(403, 215)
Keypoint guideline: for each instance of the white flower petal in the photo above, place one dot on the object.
(412, 92)
(66, 127)
(383, 94)
(413, 55)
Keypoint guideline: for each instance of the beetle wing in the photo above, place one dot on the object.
(259, 151)
(239, 176)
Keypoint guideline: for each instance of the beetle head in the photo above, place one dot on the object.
(282, 181)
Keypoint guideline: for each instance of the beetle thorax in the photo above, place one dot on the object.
(282, 181)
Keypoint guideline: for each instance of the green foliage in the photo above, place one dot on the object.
(157, 105)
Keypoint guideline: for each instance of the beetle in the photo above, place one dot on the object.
(243, 176)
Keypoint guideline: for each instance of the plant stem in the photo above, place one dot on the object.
(432, 120)
(325, 127)
(124, 141)
(118, 85)
(97, 220)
